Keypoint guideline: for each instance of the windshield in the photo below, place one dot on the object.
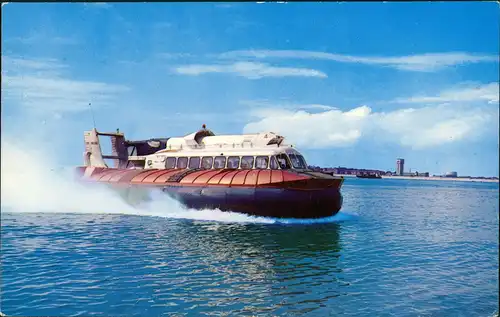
(297, 162)
(303, 160)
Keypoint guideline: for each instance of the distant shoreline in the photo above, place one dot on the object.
(433, 178)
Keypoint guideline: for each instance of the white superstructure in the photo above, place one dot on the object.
(200, 149)
(245, 151)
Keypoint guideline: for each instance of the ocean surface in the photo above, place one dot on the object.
(398, 248)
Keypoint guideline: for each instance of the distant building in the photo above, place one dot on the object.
(355, 171)
(347, 170)
(451, 174)
(315, 168)
(416, 174)
(361, 171)
(424, 174)
(400, 166)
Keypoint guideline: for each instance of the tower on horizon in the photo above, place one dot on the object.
(400, 166)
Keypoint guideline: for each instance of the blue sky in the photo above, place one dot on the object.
(350, 84)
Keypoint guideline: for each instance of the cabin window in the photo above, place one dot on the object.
(261, 162)
(182, 162)
(273, 164)
(220, 162)
(170, 162)
(283, 161)
(194, 162)
(233, 162)
(206, 162)
(296, 162)
(247, 162)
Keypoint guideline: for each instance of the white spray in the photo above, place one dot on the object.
(30, 183)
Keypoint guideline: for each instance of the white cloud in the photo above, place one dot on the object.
(249, 70)
(422, 62)
(39, 85)
(285, 105)
(101, 5)
(319, 107)
(488, 92)
(174, 55)
(433, 125)
(21, 64)
(42, 38)
(332, 128)
(416, 128)
(224, 5)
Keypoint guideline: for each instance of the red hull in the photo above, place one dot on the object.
(270, 193)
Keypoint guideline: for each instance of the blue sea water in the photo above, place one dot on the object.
(398, 248)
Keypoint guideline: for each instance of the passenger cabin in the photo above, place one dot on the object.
(240, 159)
(204, 150)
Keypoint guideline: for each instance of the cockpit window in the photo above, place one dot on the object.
(302, 160)
(283, 161)
(296, 162)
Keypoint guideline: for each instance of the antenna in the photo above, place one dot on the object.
(92, 112)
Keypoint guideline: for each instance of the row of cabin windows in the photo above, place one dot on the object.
(246, 162)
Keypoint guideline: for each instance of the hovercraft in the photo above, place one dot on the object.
(256, 174)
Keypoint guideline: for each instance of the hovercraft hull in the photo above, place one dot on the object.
(266, 193)
(265, 202)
